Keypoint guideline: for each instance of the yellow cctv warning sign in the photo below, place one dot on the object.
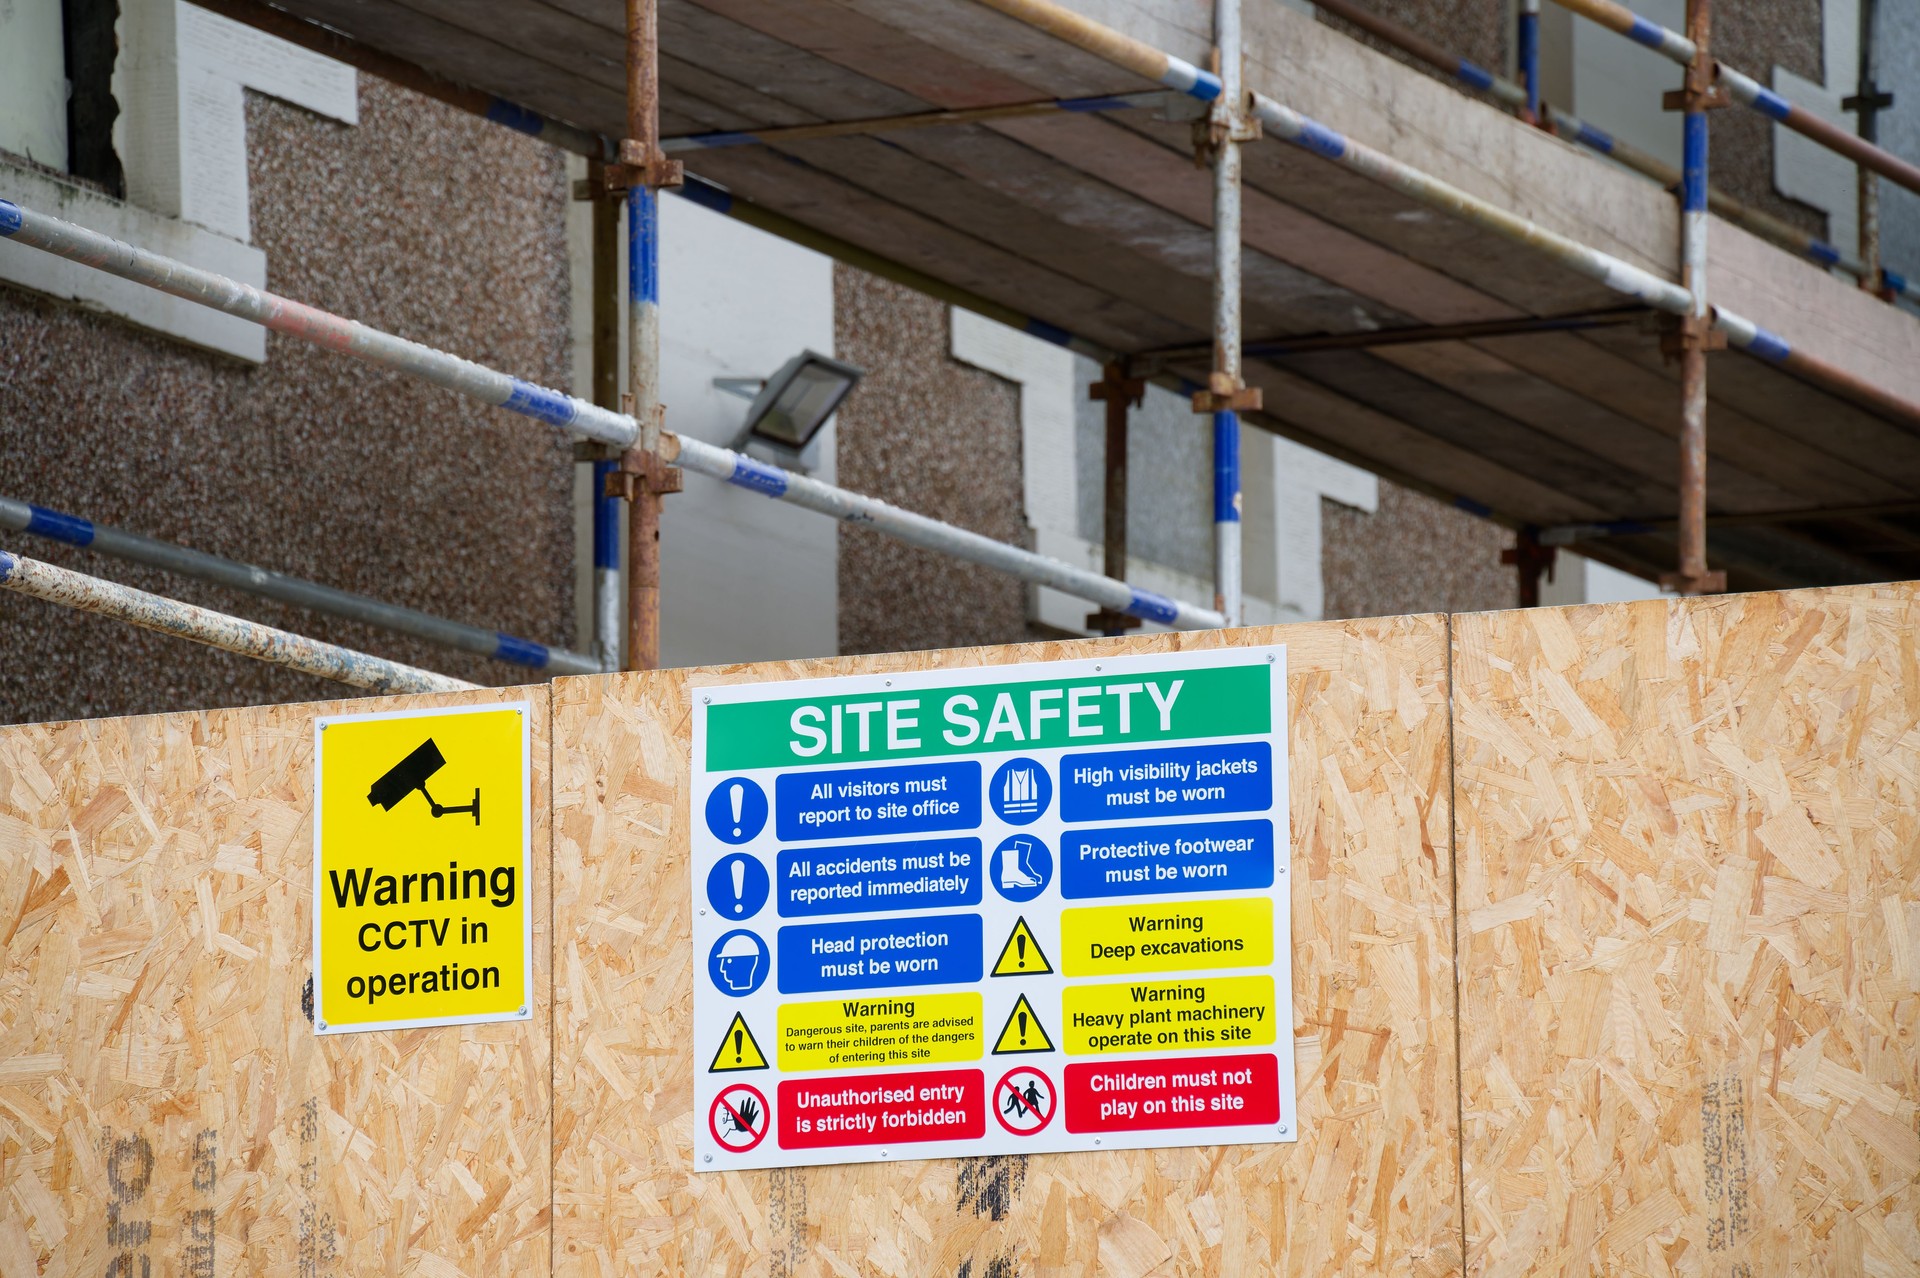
(422, 840)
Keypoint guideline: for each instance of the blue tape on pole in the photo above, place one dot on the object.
(1651, 34)
(1768, 346)
(1895, 280)
(1095, 104)
(1472, 507)
(606, 518)
(521, 652)
(1318, 138)
(515, 117)
(1048, 332)
(71, 529)
(1693, 163)
(750, 473)
(707, 195)
(1473, 75)
(716, 140)
(1823, 252)
(549, 406)
(7, 564)
(1767, 102)
(1529, 59)
(1151, 607)
(1226, 468)
(643, 245)
(9, 217)
(1594, 139)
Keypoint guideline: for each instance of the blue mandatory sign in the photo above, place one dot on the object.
(1020, 792)
(925, 874)
(1184, 781)
(1022, 868)
(1219, 856)
(737, 811)
(739, 963)
(737, 886)
(930, 949)
(860, 803)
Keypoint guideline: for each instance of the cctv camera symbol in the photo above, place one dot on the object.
(411, 774)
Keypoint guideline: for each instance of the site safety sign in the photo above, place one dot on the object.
(1015, 909)
(422, 851)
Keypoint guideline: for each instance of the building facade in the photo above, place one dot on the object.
(164, 125)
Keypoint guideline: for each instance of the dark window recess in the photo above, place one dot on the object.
(91, 48)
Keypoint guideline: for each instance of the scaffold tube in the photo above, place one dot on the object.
(42, 231)
(76, 531)
(71, 589)
(296, 319)
(918, 530)
(1748, 92)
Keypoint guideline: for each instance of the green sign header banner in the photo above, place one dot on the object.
(988, 718)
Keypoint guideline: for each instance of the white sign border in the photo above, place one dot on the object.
(1284, 1048)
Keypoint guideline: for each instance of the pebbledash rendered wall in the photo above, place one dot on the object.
(421, 220)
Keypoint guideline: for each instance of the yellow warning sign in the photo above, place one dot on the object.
(1021, 955)
(737, 1049)
(1181, 936)
(422, 839)
(1169, 1016)
(859, 1033)
(1022, 1032)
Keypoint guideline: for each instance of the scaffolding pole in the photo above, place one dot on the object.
(1695, 332)
(1747, 91)
(644, 169)
(103, 253)
(1226, 395)
(75, 531)
(1571, 128)
(1603, 268)
(62, 586)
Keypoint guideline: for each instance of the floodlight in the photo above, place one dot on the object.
(797, 401)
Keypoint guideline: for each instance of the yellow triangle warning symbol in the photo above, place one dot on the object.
(1022, 1032)
(737, 1049)
(1021, 955)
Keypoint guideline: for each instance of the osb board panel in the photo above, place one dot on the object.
(1371, 1188)
(1689, 878)
(161, 1087)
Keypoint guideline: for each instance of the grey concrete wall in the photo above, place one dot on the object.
(421, 220)
(1413, 555)
(937, 437)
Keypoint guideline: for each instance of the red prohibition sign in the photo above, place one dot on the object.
(740, 1118)
(1024, 1100)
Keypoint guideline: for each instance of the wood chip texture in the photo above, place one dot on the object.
(165, 1106)
(1689, 878)
(1371, 1188)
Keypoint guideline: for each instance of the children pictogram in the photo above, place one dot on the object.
(1024, 1101)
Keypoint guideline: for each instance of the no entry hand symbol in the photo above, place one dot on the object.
(739, 1118)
